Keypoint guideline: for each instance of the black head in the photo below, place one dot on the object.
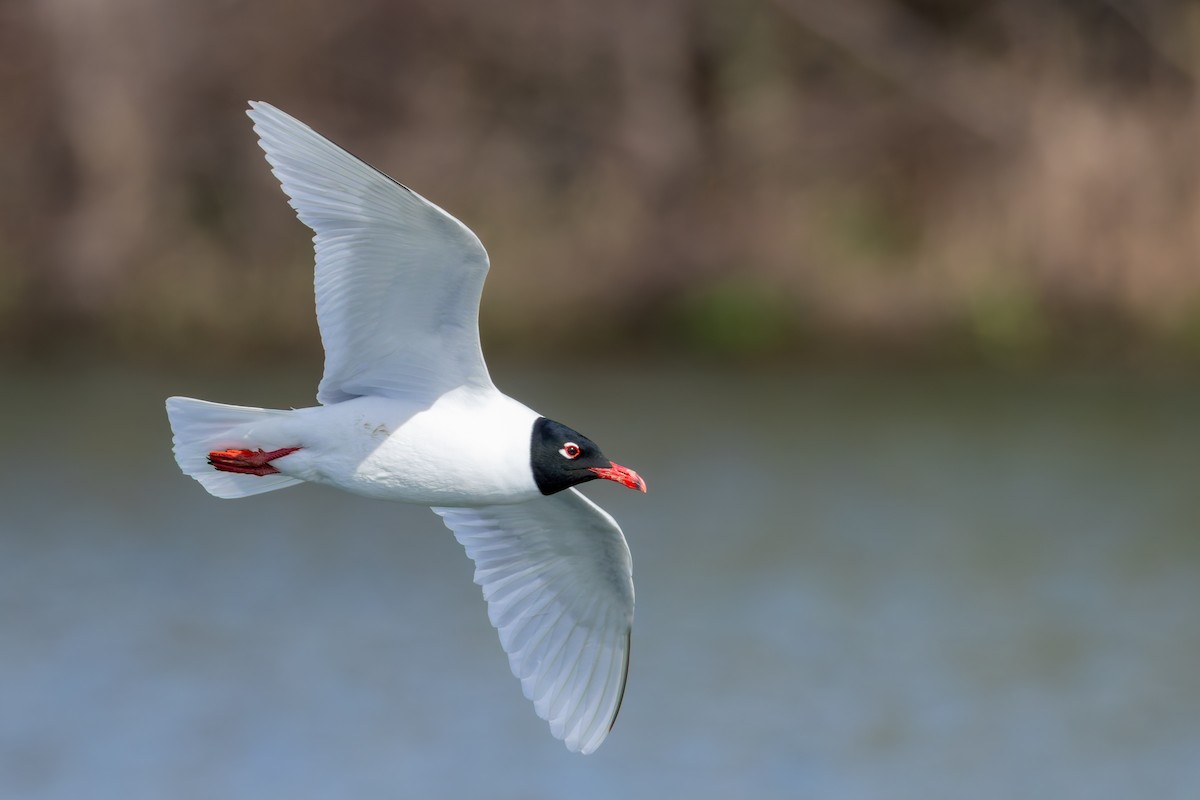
(562, 457)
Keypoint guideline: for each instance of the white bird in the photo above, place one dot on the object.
(409, 413)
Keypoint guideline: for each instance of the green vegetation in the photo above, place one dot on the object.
(735, 319)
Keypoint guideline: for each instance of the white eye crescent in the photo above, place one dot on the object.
(569, 450)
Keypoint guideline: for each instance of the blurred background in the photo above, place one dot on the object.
(895, 303)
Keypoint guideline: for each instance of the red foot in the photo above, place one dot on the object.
(247, 462)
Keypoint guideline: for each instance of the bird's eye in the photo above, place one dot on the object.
(569, 450)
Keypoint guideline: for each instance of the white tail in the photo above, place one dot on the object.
(200, 427)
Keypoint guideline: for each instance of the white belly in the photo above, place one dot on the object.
(466, 449)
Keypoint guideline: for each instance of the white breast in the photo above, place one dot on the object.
(470, 448)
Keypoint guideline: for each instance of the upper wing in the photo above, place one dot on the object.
(398, 279)
(558, 581)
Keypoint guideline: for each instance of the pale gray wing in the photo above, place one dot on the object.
(398, 280)
(558, 580)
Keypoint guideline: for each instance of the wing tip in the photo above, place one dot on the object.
(586, 739)
(594, 745)
(624, 678)
(259, 109)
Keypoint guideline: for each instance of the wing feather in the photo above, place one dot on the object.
(558, 580)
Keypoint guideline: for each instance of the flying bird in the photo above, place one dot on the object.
(409, 413)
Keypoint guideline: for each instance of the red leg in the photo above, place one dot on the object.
(248, 462)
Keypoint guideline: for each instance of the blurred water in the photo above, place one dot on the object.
(849, 586)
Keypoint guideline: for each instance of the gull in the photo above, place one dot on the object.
(408, 412)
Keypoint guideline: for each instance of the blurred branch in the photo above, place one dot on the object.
(893, 43)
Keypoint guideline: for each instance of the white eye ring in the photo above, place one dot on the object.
(569, 450)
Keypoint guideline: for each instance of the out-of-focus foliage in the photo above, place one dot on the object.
(981, 177)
